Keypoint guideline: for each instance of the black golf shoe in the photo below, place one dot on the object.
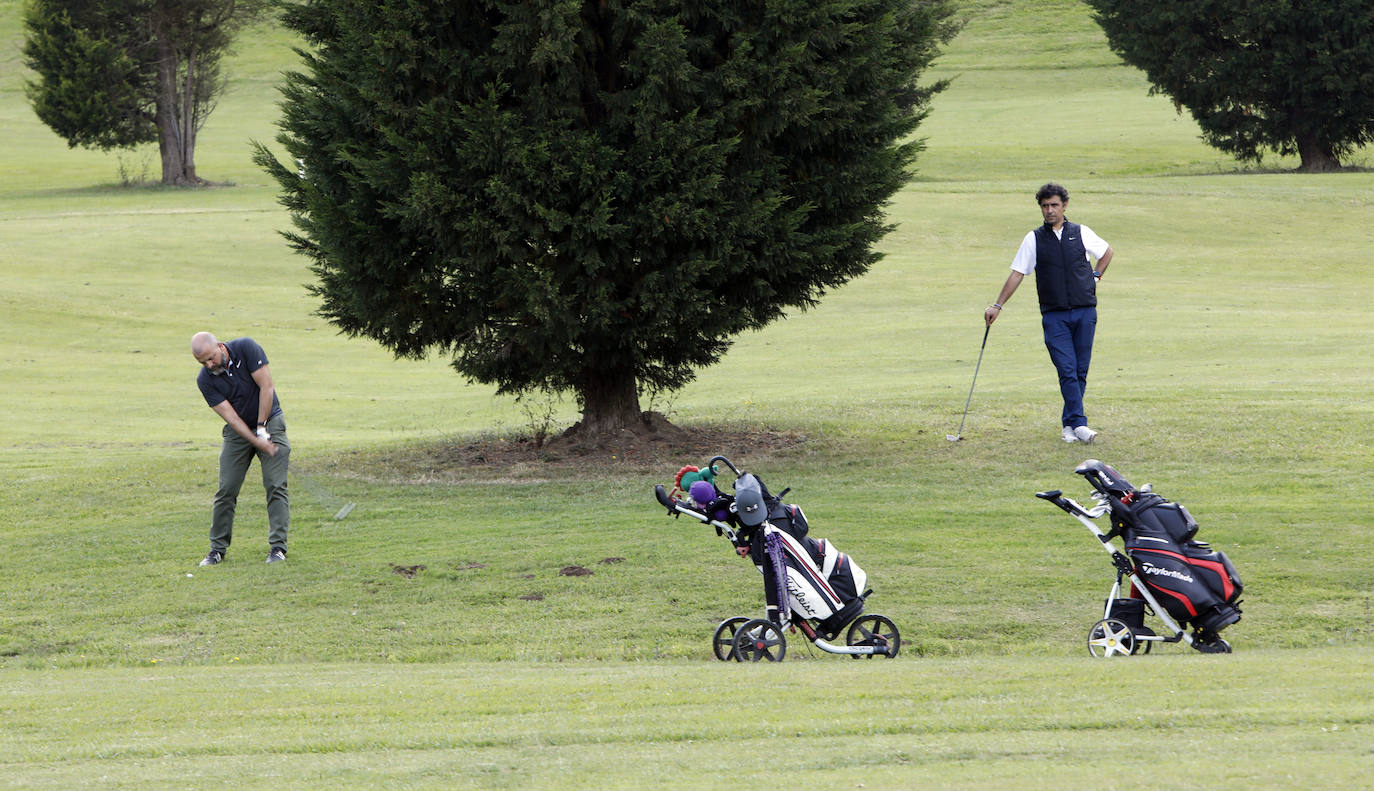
(213, 557)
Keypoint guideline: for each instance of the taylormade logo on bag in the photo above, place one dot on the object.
(1159, 572)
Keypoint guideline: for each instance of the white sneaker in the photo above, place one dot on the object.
(1069, 435)
(1084, 434)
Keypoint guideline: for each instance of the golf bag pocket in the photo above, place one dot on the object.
(1215, 569)
(1176, 584)
(789, 519)
(1129, 611)
(1159, 517)
(840, 570)
(1218, 617)
(809, 593)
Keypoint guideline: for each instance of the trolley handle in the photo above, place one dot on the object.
(1057, 497)
(676, 508)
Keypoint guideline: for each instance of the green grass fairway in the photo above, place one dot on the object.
(974, 723)
(1231, 370)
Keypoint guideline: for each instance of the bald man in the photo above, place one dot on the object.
(237, 384)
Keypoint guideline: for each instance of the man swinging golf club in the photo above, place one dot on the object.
(237, 384)
(1066, 282)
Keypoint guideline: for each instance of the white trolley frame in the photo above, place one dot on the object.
(1111, 636)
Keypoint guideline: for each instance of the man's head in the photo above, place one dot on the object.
(1053, 200)
(208, 351)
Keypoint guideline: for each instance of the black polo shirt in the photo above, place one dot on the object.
(235, 383)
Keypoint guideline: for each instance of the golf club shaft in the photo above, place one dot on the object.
(969, 400)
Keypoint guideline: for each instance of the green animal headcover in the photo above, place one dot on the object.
(689, 478)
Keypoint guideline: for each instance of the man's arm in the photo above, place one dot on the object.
(1102, 262)
(1008, 288)
(263, 376)
(226, 411)
(1098, 248)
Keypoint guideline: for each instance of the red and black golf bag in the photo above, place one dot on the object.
(1193, 582)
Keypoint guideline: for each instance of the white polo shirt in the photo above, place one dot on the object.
(1024, 262)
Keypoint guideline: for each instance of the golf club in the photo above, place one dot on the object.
(324, 496)
(960, 435)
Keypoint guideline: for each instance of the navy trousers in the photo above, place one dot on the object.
(1069, 338)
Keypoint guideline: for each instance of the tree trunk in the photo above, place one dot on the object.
(177, 165)
(1316, 154)
(610, 402)
(188, 120)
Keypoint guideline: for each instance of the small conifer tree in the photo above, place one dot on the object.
(118, 73)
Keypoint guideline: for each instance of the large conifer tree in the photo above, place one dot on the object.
(595, 195)
(1293, 76)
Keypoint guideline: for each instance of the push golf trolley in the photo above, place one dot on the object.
(1162, 561)
(809, 585)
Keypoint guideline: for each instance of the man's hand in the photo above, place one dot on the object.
(262, 440)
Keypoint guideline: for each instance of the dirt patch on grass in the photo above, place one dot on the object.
(658, 447)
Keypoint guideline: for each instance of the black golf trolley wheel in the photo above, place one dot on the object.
(760, 639)
(1215, 645)
(874, 630)
(723, 641)
(1110, 637)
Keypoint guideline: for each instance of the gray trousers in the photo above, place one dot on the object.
(235, 455)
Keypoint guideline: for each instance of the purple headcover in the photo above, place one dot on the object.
(702, 492)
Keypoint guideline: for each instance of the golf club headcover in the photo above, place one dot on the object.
(693, 475)
(677, 480)
(702, 493)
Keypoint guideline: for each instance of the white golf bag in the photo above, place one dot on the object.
(815, 580)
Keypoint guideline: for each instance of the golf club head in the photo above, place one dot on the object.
(345, 511)
(954, 437)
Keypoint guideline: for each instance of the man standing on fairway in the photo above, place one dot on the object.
(237, 384)
(1066, 282)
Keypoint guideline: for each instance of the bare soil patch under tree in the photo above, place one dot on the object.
(654, 445)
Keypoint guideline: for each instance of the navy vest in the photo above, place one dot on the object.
(1063, 276)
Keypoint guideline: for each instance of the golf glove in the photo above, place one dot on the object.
(262, 432)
